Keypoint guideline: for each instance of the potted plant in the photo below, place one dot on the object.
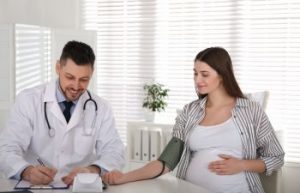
(155, 100)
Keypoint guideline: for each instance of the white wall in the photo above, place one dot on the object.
(6, 72)
(50, 13)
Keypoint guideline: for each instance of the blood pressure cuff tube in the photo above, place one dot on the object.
(172, 153)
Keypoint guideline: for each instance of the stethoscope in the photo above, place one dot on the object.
(87, 131)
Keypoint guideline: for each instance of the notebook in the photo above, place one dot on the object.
(22, 184)
(18, 191)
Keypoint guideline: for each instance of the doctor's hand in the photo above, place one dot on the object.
(89, 169)
(38, 174)
(227, 166)
(114, 177)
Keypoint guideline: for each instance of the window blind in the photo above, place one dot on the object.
(142, 41)
(32, 56)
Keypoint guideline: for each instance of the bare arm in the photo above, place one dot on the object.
(254, 165)
(149, 171)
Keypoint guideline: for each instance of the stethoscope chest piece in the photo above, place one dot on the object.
(51, 132)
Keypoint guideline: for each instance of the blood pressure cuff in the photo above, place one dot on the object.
(172, 153)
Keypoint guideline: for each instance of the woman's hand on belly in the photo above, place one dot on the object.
(228, 165)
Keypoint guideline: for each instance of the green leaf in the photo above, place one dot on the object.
(155, 96)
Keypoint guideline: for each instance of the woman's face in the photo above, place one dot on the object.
(206, 79)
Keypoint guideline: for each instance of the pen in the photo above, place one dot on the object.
(40, 162)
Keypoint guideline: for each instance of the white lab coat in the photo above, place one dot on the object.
(26, 135)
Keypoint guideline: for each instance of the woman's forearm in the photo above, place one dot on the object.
(150, 170)
(254, 165)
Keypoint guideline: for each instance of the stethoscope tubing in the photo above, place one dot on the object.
(51, 131)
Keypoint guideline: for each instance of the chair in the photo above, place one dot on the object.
(273, 183)
(260, 97)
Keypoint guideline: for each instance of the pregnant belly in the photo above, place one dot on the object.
(199, 174)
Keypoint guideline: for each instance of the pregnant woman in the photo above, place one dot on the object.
(222, 140)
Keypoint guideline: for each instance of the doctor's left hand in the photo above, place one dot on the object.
(89, 169)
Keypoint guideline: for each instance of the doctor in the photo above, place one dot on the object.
(60, 129)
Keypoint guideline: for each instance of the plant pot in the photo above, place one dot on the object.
(149, 115)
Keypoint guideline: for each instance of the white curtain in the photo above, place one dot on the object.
(142, 41)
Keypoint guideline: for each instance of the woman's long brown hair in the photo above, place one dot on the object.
(219, 59)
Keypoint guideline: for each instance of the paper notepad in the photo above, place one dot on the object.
(22, 184)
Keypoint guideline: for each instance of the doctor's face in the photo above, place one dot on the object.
(73, 79)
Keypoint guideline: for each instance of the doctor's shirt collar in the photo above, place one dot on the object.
(59, 94)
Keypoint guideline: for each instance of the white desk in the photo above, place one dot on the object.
(163, 184)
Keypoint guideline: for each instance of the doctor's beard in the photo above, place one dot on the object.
(72, 94)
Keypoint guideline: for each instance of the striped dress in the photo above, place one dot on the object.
(258, 137)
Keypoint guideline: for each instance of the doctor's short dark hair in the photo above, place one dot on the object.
(79, 52)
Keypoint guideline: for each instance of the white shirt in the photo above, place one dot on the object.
(26, 135)
(206, 143)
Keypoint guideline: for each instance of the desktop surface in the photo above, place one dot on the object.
(163, 184)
